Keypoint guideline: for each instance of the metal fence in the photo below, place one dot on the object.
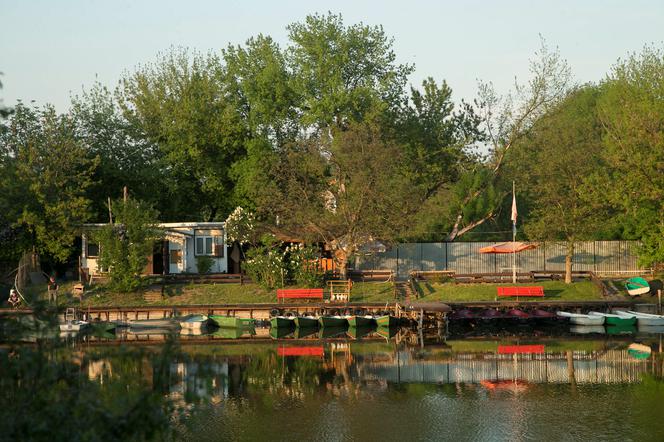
(602, 257)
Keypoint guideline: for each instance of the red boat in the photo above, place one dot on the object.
(463, 314)
(491, 314)
(543, 314)
(515, 313)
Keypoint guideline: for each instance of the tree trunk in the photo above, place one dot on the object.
(568, 262)
(341, 260)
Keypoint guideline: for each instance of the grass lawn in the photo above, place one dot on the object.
(383, 292)
(553, 290)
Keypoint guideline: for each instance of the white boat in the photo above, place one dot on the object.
(651, 329)
(587, 329)
(194, 323)
(154, 323)
(579, 319)
(73, 326)
(644, 318)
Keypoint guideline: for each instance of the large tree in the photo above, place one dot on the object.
(182, 105)
(344, 191)
(632, 112)
(44, 174)
(554, 166)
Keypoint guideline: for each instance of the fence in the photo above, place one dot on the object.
(602, 257)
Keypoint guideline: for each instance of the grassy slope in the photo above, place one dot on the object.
(182, 294)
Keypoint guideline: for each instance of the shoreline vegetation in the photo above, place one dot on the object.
(362, 292)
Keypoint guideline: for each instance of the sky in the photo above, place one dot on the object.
(50, 50)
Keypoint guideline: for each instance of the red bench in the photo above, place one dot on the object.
(536, 291)
(299, 294)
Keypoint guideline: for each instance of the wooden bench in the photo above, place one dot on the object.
(299, 294)
(536, 291)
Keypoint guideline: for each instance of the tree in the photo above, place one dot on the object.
(554, 165)
(343, 74)
(184, 107)
(125, 245)
(126, 157)
(45, 172)
(505, 121)
(342, 191)
(631, 110)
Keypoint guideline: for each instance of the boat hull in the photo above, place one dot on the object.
(637, 286)
(232, 321)
(387, 321)
(332, 321)
(73, 326)
(282, 322)
(360, 321)
(306, 322)
(154, 323)
(645, 319)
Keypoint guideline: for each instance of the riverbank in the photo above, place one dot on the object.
(362, 292)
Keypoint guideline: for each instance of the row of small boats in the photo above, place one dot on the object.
(493, 314)
(618, 318)
(333, 321)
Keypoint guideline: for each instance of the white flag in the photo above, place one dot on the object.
(514, 213)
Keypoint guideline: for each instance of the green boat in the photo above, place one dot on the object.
(387, 332)
(331, 332)
(232, 321)
(280, 332)
(103, 326)
(637, 286)
(620, 330)
(639, 351)
(360, 321)
(234, 333)
(282, 322)
(360, 332)
(306, 322)
(617, 320)
(332, 321)
(387, 321)
(301, 333)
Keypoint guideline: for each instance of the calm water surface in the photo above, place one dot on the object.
(406, 387)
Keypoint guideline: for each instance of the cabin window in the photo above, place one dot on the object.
(204, 245)
(210, 246)
(92, 250)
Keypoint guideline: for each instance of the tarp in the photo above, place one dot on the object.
(507, 247)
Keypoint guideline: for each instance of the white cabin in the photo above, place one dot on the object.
(182, 246)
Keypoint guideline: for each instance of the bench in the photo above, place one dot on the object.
(536, 291)
(299, 294)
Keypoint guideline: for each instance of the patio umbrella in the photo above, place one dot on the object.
(507, 247)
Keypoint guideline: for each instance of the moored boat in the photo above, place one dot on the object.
(282, 322)
(73, 326)
(387, 321)
(331, 332)
(490, 314)
(306, 322)
(194, 322)
(637, 286)
(639, 351)
(332, 321)
(232, 321)
(644, 318)
(360, 332)
(233, 332)
(463, 314)
(281, 332)
(587, 329)
(515, 313)
(542, 314)
(103, 326)
(614, 319)
(154, 323)
(387, 332)
(360, 321)
(580, 319)
(303, 332)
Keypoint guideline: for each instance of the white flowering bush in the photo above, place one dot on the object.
(266, 265)
(240, 226)
(304, 265)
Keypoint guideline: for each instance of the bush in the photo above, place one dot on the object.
(304, 265)
(204, 264)
(265, 264)
(124, 247)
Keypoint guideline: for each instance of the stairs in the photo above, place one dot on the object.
(403, 290)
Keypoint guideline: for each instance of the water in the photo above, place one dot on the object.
(471, 386)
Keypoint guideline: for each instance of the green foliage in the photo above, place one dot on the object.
(265, 263)
(304, 265)
(124, 247)
(45, 171)
(631, 110)
(204, 264)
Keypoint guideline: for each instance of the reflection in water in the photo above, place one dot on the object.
(399, 385)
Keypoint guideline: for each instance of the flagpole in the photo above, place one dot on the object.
(513, 232)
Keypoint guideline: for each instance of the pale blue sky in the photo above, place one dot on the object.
(49, 49)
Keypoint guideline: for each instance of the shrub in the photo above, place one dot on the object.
(204, 264)
(304, 265)
(265, 264)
